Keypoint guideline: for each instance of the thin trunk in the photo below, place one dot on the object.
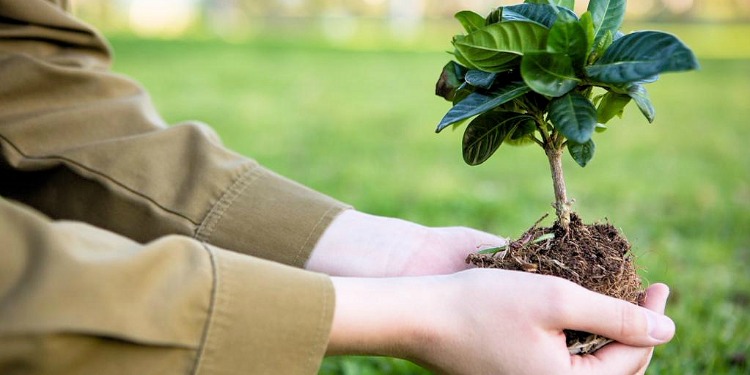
(562, 205)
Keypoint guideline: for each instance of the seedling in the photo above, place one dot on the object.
(538, 74)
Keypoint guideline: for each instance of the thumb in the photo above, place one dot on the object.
(620, 320)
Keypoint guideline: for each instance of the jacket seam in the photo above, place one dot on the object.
(324, 313)
(208, 225)
(210, 314)
(74, 163)
(314, 230)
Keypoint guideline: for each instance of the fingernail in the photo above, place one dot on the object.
(660, 327)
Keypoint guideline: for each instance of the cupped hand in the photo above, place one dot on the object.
(363, 245)
(495, 322)
(516, 327)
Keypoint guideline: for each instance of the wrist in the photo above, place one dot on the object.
(393, 317)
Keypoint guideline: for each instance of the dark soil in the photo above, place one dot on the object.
(595, 256)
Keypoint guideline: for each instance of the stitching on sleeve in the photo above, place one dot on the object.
(213, 217)
(209, 319)
(305, 244)
(312, 358)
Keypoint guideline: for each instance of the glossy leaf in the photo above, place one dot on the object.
(451, 78)
(587, 23)
(477, 103)
(573, 116)
(523, 134)
(641, 55)
(486, 133)
(569, 4)
(462, 92)
(495, 48)
(567, 36)
(612, 104)
(582, 152)
(459, 56)
(495, 16)
(543, 14)
(548, 73)
(600, 46)
(480, 79)
(607, 16)
(470, 20)
(641, 99)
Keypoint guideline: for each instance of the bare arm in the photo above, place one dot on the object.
(490, 321)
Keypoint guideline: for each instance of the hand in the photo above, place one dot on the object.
(362, 245)
(492, 321)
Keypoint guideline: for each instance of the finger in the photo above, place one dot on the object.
(626, 359)
(656, 299)
(580, 309)
(473, 238)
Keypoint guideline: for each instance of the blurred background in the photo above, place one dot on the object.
(342, 20)
(338, 94)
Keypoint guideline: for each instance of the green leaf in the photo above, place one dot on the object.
(600, 46)
(548, 73)
(495, 16)
(523, 134)
(568, 36)
(480, 79)
(477, 103)
(612, 104)
(641, 99)
(495, 250)
(587, 23)
(607, 16)
(642, 55)
(470, 20)
(573, 116)
(543, 14)
(462, 92)
(570, 4)
(451, 78)
(458, 55)
(582, 152)
(486, 133)
(496, 48)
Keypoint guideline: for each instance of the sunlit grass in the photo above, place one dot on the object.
(358, 124)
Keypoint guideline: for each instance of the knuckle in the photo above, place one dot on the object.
(631, 322)
(557, 299)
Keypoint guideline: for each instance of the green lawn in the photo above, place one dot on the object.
(358, 124)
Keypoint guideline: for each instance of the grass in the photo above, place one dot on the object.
(358, 124)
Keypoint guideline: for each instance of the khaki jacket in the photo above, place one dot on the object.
(131, 247)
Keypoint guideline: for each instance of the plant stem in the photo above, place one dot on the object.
(562, 205)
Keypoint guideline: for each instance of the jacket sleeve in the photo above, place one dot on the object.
(76, 299)
(79, 142)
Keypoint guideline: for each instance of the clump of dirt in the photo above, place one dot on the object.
(595, 256)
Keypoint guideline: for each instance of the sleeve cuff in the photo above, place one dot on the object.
(265, 318)
(268, 216)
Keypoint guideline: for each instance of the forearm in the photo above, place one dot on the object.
(385, 316)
